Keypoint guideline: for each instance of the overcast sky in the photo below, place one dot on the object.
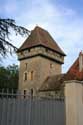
(63, 19)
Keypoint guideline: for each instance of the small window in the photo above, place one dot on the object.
(51, 65)
(25, 76)
(29, 50)
(22, 53)
(25, 93)
(31, 75)
(46, 50)
(31, 92)
(25, 65)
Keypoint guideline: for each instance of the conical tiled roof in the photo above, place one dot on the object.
(41, 37)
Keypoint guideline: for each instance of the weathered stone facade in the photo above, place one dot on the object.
(28, 53)
(42, 67)
(40, 57)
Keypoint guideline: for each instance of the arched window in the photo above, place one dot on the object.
(25, 66)
(31, 75)
(28, 75)
(25, 76)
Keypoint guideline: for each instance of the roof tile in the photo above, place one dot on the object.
(40, 36)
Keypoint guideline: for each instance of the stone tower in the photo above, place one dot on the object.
(39, 57)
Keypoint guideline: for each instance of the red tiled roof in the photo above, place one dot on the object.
(74, 71)
(40, 36)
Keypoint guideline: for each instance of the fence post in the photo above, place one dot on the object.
(30, 107)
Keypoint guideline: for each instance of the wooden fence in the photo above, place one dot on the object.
(15, 109)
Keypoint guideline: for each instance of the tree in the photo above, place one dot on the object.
(5, 25)
(9, 77)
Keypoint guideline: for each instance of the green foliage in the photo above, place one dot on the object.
(9, 77)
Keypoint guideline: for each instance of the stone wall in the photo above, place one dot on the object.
(43, 51)
(74, 102)
(41, 67)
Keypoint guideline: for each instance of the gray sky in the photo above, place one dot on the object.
(62, 19)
